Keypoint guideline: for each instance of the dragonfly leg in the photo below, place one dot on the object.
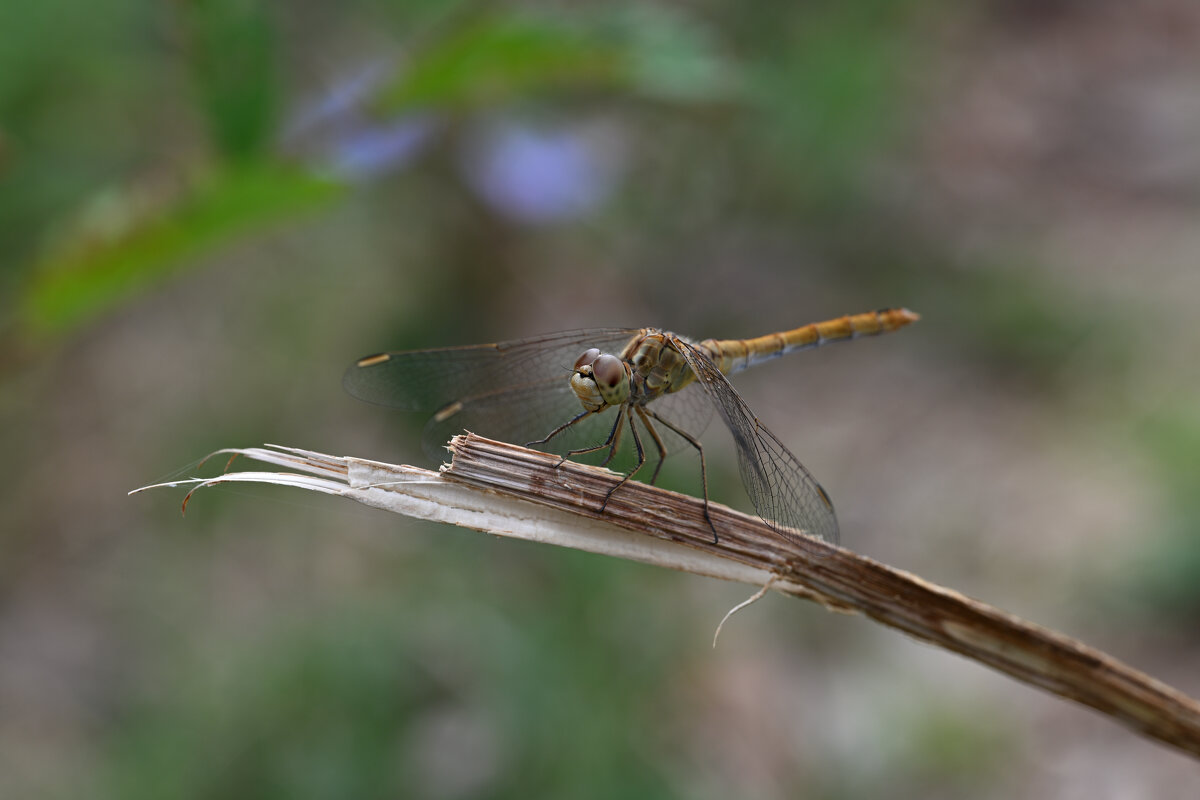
(658, 442)
(615, 437)
(641, 455)
(694, 442)
(613, 440)
(560, 428)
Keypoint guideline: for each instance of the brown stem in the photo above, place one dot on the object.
(845, 581)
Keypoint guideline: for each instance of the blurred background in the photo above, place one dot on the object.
(208, 209)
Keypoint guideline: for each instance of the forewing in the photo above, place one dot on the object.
(783, 491)
(515, 391)
(520, 414)
(426, 380)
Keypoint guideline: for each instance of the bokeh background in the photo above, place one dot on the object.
(209, 209)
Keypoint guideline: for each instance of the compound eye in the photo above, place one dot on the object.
(608, 371)
(587, 358)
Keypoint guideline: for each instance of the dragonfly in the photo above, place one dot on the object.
(553, 392)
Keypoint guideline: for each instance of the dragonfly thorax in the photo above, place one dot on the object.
(600, 380)
(658, 367)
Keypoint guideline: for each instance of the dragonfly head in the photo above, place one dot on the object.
(600, 380)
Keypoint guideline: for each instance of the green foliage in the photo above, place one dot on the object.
(1173, 437)
(387, 698)
(472, 62)
(233, 59)
(501, 58)
(1167, 575)
(132, 236)
(139, 241)
(1010, 316)
(942, 741)
(74, 80)
(826, 80)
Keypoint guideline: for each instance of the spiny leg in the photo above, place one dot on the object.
(687, 437)
(658, 442)
(641, 455)
(560, 428)
(614, 439)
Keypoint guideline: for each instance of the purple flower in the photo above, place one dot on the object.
(541, 174)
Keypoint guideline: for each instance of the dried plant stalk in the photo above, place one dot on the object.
(508, 490)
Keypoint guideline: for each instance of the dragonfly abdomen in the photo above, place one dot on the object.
(735, 355)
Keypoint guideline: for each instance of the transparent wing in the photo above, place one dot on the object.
(690, 411)
(783, 491)
(521, 414)
(426, 380)
(515, 391)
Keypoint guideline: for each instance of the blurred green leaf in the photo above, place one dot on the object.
(944, 742)
(1008, 314)
(233, 60)
(1174, 440)
(354, 702)
(60, 136)
(492, 60)
(827, 78)
(1168, 575)
(669, 57)
(134, 241)
(497, 58)
(1014, 320)
(306, 717)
